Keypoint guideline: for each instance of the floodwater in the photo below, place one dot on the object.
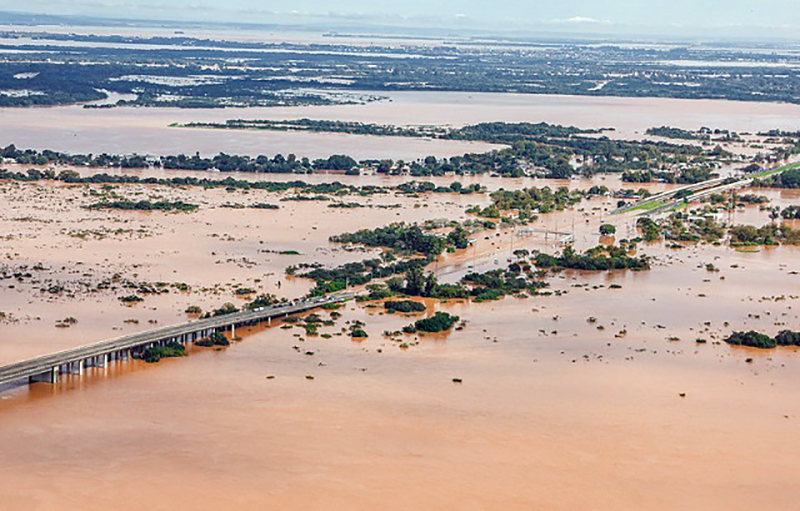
(147, 131)
(554, 411)
(488, 181)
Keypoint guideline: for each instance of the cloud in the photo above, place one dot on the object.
(583, 20)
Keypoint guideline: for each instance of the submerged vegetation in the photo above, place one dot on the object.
(598, 258)
(496, 132)
(495, 284)
(407, 238)
(405, 306)
(669, 132)
(683, 176)
(789, 178)
(758, 340)
(215, 339)
(697, 226)
(156, 353)
(528, 202)
(357, 273)
(533, 149)
(144, 205)
(770, 234)
(439, 322)
(791, 213)
(335, 188)
(683, 227)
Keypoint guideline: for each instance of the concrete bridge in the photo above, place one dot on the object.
(669, 195)
(666, 201)
(48, 368)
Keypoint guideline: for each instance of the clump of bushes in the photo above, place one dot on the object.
(608, 230)
(154, 354)
(357, 330)
(215, 339)
(262, 300)
(440, 322)
(788, 338)
(228, 308)
(758, 340)
(358, 333)
(598, 258)
(747, 235)
(144, 205)
(405, 306)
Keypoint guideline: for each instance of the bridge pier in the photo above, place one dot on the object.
(49, 368)
(51, 376)
(71, 368)
(98, 361)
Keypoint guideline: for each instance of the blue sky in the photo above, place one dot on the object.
(685, 17)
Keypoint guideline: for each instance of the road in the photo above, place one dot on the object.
(48, 367)
(666, 201)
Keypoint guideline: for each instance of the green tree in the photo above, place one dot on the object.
(608, 230)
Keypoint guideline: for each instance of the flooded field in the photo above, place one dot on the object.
(146, 130)
(552, 410)
(597, 397)
(557, 422)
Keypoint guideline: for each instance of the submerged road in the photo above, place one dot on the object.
(48, 367)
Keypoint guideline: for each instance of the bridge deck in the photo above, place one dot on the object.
(40, 365)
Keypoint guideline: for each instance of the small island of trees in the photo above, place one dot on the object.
(759, 340)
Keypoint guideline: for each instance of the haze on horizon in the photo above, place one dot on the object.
(765, 19)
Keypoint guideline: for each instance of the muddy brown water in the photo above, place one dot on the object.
(553, 412)
(147, 131)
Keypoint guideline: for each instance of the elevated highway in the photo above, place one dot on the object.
(48, 368)
(666, 201)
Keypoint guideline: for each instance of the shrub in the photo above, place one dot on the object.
(156, 353)
(215, 339)
(752, 339)
(608, 230)
(228, 308)
(788, 338)
(405, 306)
(440, 322)
(219, 340)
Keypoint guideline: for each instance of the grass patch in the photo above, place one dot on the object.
(649, 206)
